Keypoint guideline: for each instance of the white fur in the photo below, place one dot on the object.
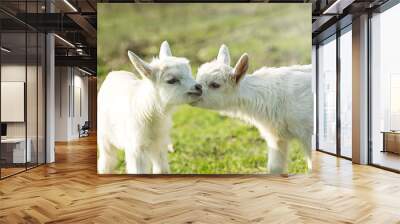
(134, 114)
(278, 101)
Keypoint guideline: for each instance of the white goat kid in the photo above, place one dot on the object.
(134, 114)
(278, 101)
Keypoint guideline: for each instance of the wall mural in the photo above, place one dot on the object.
(204, 89)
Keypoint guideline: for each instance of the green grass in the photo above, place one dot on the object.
(208, 143)
(196, 31)
(204, 141)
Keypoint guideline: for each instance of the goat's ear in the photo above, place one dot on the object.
(165, 50)
(223, 55)
(141, 66)
(241, 68)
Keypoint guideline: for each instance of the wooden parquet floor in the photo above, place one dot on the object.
(70, 191)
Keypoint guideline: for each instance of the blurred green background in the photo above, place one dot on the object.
(204, 141)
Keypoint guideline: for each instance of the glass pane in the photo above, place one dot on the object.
(31, 87)
(386, 89)
(346, 94)
(41, 98)
(32, 95)
(327, 96)
(13, 89)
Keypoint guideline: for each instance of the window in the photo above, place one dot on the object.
(385, 88)
(327, 95)
(394, 102)
(346, 92)
(22, 88)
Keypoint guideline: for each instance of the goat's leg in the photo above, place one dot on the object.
(308, 152)
(159, 159)
(277, 156)
(107, 161)
(136, 160)
(169, 144)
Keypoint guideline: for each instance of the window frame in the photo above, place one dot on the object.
(339, 32)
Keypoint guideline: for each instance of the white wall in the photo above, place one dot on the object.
(12, 73)
(50, 93)
(62, 81)
(79, 117)
(12, 100)
(71, 87)
(33, 126)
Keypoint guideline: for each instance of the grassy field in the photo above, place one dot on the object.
(272, 35)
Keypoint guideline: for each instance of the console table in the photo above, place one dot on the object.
(391, 141)
(13, 150)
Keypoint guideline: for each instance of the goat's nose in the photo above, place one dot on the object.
(198, 87)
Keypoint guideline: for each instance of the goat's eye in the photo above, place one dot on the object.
(214, 85)
(173, 81)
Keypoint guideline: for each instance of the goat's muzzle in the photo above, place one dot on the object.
(197, 91)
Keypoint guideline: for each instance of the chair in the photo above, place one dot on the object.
(84, 130)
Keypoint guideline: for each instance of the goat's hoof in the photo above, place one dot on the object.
(171, 148)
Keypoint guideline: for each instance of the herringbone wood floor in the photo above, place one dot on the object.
(70, 191)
